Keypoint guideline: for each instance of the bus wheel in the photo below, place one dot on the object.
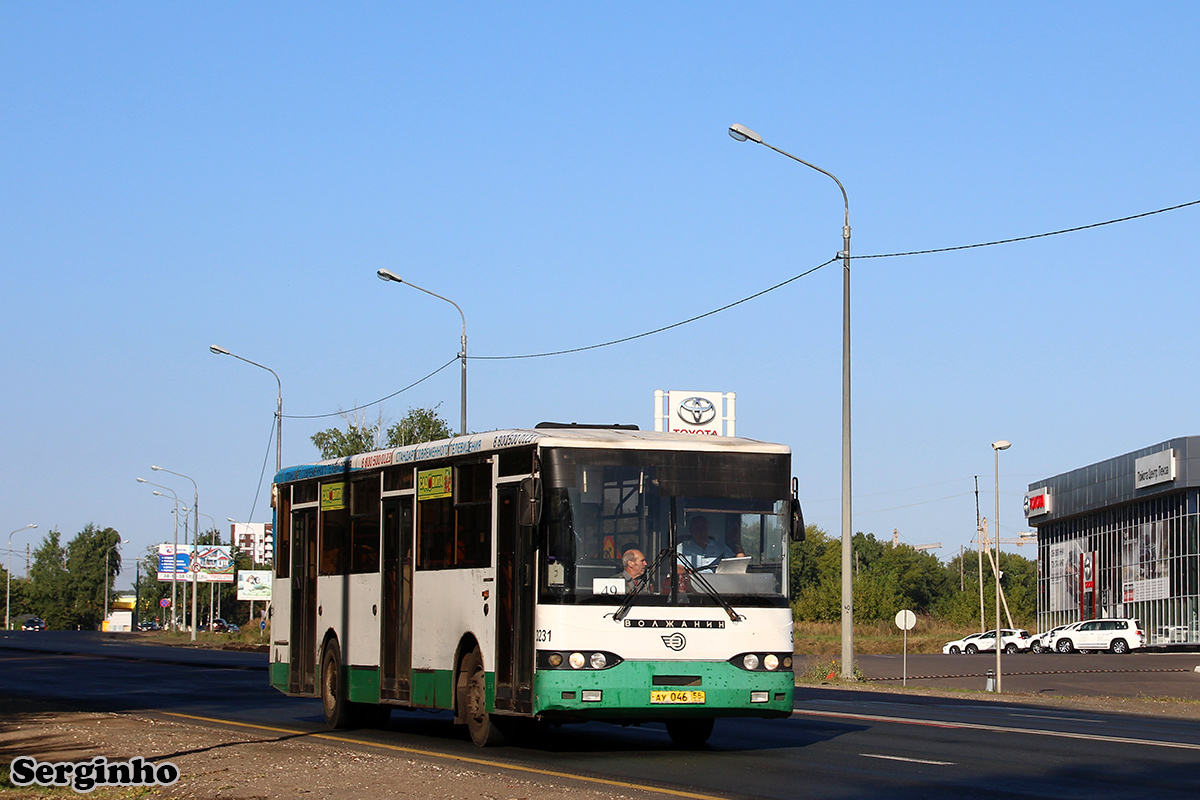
(690, 733)
(333, 701)
(480, 723)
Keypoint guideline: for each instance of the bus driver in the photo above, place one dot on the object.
(700, 551)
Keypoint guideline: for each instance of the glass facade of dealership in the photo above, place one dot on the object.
(1121, 538)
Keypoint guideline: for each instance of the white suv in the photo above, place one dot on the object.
(1114, 635)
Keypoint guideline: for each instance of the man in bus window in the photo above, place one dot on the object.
(699, 550)
(634, 572)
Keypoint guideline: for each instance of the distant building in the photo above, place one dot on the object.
(1121, 538)
(256, 539)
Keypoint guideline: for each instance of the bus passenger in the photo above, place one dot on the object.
(634, 571)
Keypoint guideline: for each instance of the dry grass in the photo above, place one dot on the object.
(875, 638)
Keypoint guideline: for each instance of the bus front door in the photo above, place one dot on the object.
(514, 606)
(303, 653)
(396, 633)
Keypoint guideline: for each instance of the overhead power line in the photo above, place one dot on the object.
(754, 296)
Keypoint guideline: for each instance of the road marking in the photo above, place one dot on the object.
(450, 757)
(909, 760)
(1063, 719)
(1090, 737)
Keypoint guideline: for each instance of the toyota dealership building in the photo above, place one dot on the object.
(1119, 538)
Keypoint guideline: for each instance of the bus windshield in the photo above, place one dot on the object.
(670, 527)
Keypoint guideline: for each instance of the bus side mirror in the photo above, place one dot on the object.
(530, 501)
(797, 532)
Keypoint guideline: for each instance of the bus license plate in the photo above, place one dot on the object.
(680, 696)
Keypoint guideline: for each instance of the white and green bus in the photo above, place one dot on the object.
(483, 575)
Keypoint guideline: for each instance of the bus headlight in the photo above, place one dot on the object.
(576, 660)
(771, 661)
(750, 661)
(598, 661)
(555, 659)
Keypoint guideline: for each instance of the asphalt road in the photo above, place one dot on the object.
(838, 744)
(1137, 674)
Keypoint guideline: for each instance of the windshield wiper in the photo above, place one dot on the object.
(627, 603)
(699, 579)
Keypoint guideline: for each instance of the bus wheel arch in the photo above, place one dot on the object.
(471, 699)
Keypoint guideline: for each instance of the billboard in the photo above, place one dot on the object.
(212, 563)
(1144, 563)
(254, 584)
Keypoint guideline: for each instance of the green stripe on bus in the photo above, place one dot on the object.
(626, 690)
(280, 674)
(364, 684)
(433, 688)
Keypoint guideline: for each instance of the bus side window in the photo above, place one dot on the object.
(473, 515)
(335, 533)
(282, 531)
(434, 534)
(364, 525)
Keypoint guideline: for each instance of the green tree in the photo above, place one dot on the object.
(418, 425)
(48, 579)
(150, 590)
(86, 576)
(361, 436)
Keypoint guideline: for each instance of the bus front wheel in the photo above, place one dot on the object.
(690, 733)
(473, 700)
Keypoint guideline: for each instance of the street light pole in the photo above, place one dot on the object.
(388, 275)
(174, 549)
(741, 133)
(996, 448)
(195, 528)
(211, 582)
(221, 351)
(107, 577)
(8, 587)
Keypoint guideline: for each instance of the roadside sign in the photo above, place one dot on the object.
(262, 626)
(905, 621)
(165, 602)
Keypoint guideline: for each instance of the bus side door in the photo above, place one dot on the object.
(303, 653)
(396, 624)
(514, 606)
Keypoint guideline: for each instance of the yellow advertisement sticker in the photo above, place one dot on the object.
(434, 483)
(333, 496)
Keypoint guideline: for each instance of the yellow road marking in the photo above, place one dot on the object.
(465, 759)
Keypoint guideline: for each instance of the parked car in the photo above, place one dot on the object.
(1040, 642)
(34, 624)
(1113, 635)
(148, 625)
(1014, 641)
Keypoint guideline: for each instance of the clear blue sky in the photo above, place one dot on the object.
(178, 175)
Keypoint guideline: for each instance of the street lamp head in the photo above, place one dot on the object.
(218, 350)
(1001, 445)
(142, 480)
(388, 275)
(742, 134)
(155, 467)
(31, 525)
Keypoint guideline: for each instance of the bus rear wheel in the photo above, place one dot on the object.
(473, 702)
(690, 733)
(340, 712)
(333, 696)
